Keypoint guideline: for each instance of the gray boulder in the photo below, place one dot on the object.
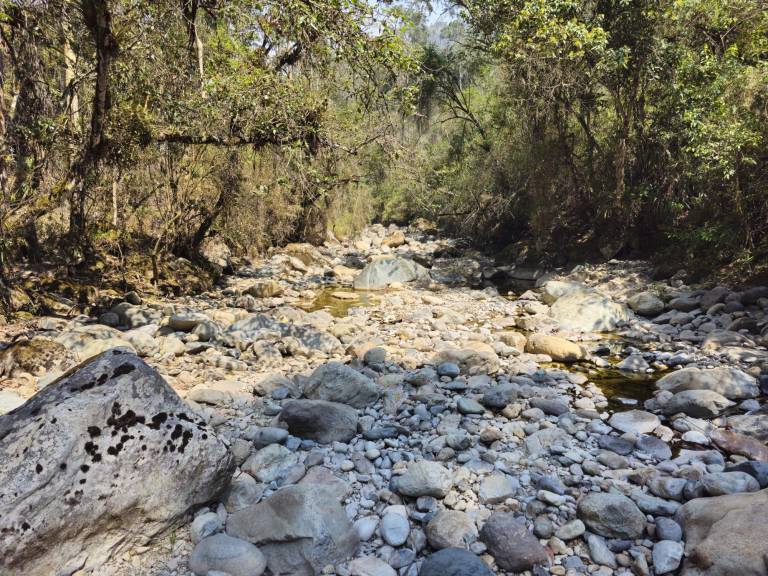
(99, 461)
(318, 420)
(300, 529)
(379, 274)
(589, 311)
(611, 515)
(336, 382)
(697, 403)
(726, 381)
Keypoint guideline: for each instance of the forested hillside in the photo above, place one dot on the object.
(560, 130)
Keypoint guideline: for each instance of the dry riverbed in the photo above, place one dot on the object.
(402, 419)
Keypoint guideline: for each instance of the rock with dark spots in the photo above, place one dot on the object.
(511, 545)
(300, 529)
(454, 562)
(99, 461)
(222, 553)
(324, 422)
(726, 535)
(611, 515)
(336, 382)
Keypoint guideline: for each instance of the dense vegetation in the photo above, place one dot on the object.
(578, 128)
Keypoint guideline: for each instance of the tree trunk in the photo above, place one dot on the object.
(98, 20)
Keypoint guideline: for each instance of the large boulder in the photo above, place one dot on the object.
(100, 460)
(726, 381)
(318, 420)
(379, 274)
(726, 535)
(589, 311)
(559, 349)
(337, 382)
(299, 529)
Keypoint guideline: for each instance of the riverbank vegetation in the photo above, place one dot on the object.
(554, 130)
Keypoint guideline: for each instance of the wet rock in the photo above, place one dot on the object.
(324, 422)
(510, 543)
(99, 461)
(454, 562)
(222, 553)
(611, 515)
(336, 382)
(300, 529)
